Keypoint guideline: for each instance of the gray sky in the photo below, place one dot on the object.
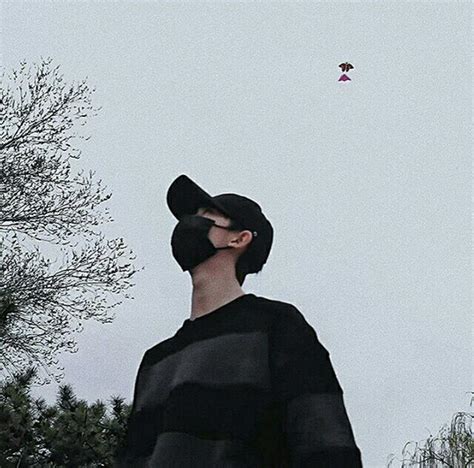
(366, 182)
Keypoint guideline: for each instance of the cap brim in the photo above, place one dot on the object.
(185, 197)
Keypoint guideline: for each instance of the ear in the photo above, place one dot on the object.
(245, 237)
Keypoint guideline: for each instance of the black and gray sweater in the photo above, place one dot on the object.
(247, 385)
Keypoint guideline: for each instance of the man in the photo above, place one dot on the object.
(244, 382)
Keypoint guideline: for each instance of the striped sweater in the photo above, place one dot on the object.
(247, 385)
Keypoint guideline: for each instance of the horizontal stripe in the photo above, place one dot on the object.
(342, 457)
(234, 358)
(317, 422)
(234, 412)
(179, 450)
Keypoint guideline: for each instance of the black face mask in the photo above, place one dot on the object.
(190, 242)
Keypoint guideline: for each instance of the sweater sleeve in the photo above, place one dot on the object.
(315, 424)
(126, 453)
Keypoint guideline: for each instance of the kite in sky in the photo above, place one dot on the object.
(345, 67)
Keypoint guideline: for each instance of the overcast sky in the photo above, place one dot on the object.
(366, 182)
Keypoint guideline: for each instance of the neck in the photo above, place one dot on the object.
(211, 290)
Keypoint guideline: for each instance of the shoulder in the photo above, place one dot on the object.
(158, 351)
(282, 312)
(290, 328)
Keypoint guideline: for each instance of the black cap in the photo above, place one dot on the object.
(185, 197)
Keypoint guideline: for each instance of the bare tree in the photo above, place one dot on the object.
(44, 203)
(40, 195)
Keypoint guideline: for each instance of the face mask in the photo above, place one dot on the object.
(190, 242)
